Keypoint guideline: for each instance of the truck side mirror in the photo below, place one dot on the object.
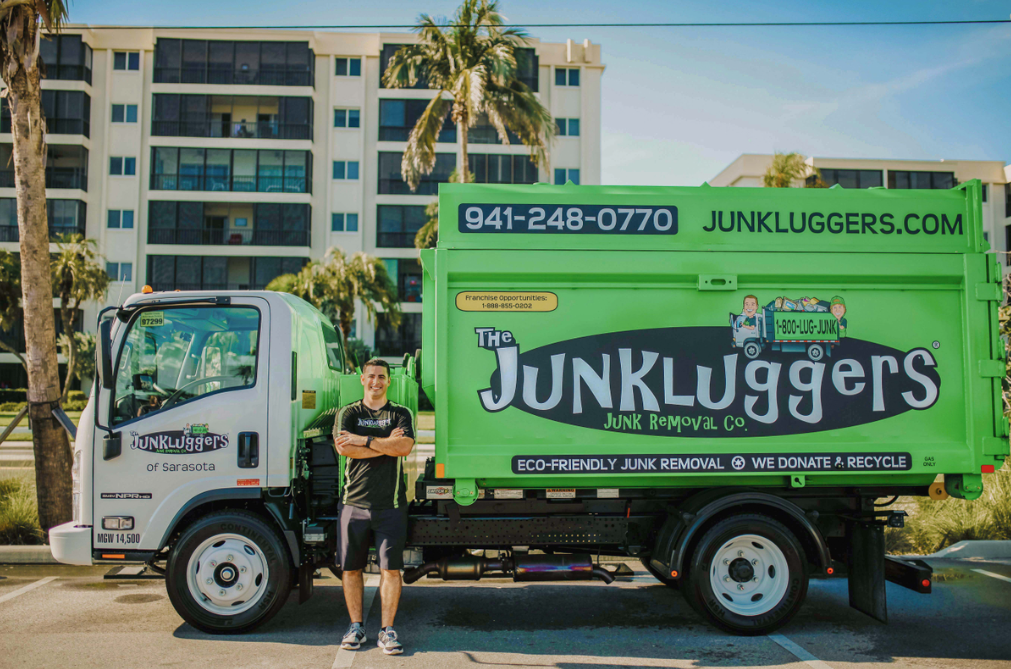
(104, 352)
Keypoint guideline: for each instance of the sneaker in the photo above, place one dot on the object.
(354, 637)
(388, 642)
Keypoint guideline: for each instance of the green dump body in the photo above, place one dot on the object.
(578, 337)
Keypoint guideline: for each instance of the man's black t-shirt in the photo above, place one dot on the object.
(374, 483)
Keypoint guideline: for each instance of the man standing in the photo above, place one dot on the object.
(374, 435)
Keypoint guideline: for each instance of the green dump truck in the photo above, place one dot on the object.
(590, 399)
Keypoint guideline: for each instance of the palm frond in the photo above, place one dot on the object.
(419, 156)
(405, 67)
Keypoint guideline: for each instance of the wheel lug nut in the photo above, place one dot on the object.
(755, 562)
(740, 586)
(210, 581)
(242, 569)
(755, 579)
(221, 593)
(239, 586)
(726, 561)
(230, 558)
(213, 563)
(727, 579)
(740, 553)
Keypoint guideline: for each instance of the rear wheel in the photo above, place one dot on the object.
(815, 352)
(228, 573)
(748, 575)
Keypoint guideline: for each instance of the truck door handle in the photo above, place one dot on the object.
(249, 450)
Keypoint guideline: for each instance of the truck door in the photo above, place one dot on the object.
(190, 404)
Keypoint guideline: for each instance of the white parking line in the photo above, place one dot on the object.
(978, 571)
(30, 586)
(801, 654)
(345, 658)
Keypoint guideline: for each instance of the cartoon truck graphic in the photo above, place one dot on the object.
(815, 333)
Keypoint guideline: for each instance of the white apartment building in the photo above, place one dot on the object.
(748, 170)
(221, 159)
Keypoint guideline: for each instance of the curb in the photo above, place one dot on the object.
(26, 555)
(975, 550)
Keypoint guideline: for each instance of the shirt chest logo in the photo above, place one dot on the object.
(375, 422)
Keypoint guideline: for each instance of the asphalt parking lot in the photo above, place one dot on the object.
(59, 616)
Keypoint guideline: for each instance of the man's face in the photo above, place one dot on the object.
(376, 381)
(838, 310)
(750, 306)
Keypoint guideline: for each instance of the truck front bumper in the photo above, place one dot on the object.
(71, 544)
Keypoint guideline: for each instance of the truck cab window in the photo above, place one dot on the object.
(334, 350)
(171, 356)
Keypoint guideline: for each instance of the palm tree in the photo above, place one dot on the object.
(79, 278)
(788, 168)
(428, 235)
(334, 283)
(471, 62)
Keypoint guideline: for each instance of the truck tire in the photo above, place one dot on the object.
(815, 352)
(670, 583)
(747, 575)
(228, 573)
(752, 349)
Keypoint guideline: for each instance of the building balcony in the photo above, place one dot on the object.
(228, 62)
(212, 127)
(211, 237)
(66, 166)
(56, 177)
(228, 76)
(240, 184)
(10, 233)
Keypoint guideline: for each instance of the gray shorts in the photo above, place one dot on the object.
(386, 530)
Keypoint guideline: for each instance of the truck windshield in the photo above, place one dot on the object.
(171, 356)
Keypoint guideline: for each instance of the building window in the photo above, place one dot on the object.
(848, 178)
(407, 273)
(345, 170)
(243, 117)
(563, 175)
(65, 217)
(66, 57)
(237, 170)
(124, 113)
(120, 219)
(921, 180)
(347, 118)
(343, 222)
(986, 192)
(119, 271)
(397, 225)
(391, 181)
(501, 168)
(191, 61)
(122, 166)
(67, 113)
(126, 60)
(565, 76)
(398, 117)
(384, 61)
(349, 67)
(218, 272)
(567, 127)
(483, 132)
(228, 224)
(396, 342)
(1007, 203)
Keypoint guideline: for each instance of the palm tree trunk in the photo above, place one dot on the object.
(464, 165)
(68, 317)
(53, 458)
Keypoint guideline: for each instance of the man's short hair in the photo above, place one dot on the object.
(378, 362)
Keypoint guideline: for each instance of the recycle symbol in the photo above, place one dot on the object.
(737, 463)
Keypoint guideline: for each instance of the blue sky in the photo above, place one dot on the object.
(680, 104)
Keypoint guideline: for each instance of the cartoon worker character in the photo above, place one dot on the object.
(838, 309)
(748, 318)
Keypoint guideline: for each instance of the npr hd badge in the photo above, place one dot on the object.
(194, 438)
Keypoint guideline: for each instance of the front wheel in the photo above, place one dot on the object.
(747, 575)
(228, 573)
(752, 349)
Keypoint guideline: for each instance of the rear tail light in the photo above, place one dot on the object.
(986, 469)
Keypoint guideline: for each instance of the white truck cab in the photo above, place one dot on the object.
(188, 450)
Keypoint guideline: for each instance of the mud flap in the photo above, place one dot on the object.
(305, 573)
(867, 570)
